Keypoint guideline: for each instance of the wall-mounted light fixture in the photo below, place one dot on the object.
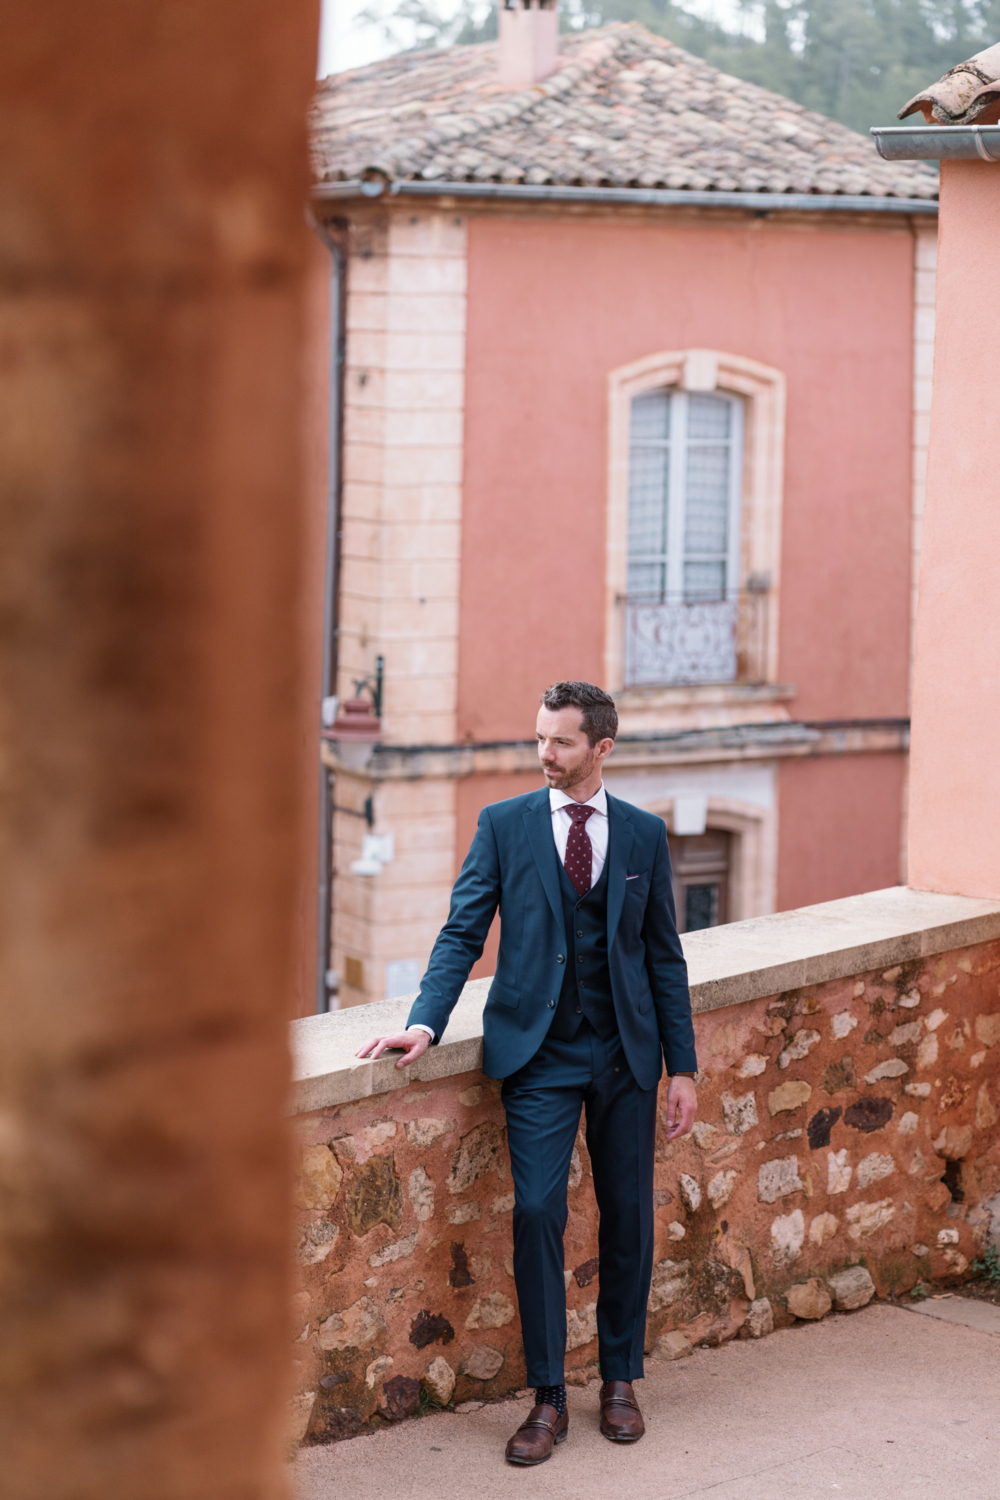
(357, 727)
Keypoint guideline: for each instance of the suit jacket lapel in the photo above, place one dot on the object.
(538, 827)
(621, 836)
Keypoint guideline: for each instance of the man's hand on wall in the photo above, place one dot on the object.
(413, 1043)
(682, 1106)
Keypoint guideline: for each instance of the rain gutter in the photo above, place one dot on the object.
(938, 142)
(373, 188)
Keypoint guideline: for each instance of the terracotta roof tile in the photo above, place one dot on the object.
(624, 108)
(963, 95)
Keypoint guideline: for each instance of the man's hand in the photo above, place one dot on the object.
(682, 1106)
(413, 1043)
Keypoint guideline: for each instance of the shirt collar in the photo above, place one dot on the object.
(599, 801)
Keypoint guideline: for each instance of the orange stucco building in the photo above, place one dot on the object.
(636, 367)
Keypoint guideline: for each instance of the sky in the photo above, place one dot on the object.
(346, 43)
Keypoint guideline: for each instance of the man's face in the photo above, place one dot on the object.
(566, 755)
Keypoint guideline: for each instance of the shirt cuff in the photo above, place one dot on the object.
(418, 1026)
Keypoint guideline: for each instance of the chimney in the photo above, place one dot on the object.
(529, 40)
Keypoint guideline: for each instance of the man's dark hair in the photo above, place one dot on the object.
(600, 717)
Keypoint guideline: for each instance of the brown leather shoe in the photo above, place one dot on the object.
(534, 1440)
(621, 1419)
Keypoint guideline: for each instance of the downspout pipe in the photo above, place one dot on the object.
(325, 982)
(937, 142)
(379, 187)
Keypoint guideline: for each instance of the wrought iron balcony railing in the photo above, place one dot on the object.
(675, 641)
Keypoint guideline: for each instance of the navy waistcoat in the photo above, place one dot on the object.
(586, 987)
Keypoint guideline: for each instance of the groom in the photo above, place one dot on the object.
(590, 996)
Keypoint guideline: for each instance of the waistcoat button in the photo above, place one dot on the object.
(552, 1005)
(559, 958)
(580, 933)
(580, 959)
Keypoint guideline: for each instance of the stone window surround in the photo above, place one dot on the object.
(726, 965)
(763, 390)
(754, 860)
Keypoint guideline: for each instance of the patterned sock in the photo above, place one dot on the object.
(551, 1395)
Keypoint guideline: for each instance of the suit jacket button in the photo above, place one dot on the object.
(552, 1005)
(560, 959)
(579, 1010)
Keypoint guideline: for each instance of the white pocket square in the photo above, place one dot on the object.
(631, 877)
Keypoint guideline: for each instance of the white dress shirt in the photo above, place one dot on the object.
(597, 828)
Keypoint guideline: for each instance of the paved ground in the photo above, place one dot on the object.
(874, 1405)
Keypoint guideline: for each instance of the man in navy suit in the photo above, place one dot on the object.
(590, 996)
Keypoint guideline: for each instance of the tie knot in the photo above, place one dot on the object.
(578, 813)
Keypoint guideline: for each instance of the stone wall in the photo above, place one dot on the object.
(845, 1148)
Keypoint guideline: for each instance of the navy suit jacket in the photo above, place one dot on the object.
(513, 865)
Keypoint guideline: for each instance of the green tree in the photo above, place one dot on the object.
(856, 61)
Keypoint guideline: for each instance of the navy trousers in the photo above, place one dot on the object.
(543, 1101)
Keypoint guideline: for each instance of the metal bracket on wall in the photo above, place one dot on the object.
(368, 813)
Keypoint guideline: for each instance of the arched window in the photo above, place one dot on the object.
(685, 468)
(694, 521)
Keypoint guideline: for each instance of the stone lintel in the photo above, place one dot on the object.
(727, 966)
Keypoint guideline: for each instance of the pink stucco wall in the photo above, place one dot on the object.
(955, 776)
(553, 307)
(838, 827)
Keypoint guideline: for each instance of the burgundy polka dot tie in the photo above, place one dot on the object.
(579, 850)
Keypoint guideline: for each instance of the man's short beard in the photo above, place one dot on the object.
(570, 779)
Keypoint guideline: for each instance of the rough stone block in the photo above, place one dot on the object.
(809, 1299)
(873, 1168)
(399, 1250)
(374, 1196)
(400, 1398)
(481, 1151)
(426, 1132)
(851, 1288)
(462, 1213)
(481, 1362)
(720, 1188)
(894, 1067)
(800, 1046)
(671, 1345)
(789, 1096)
(316, 1242)
(823, 1228)
(581, 1325)
(988, 1029)
(776, 1179)
(760, 1318)
(864, 1219)
(671, 1279)
(739, 1113)
(491, 1311)
(421, 1192)
(690, 1191)
(320, 1176)
(787, 1233)
(359, 1326)
(378, 1370)
(439, 1379)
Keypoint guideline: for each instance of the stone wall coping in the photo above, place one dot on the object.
(727, 966)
